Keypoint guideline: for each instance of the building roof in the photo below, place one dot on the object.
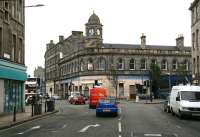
(137, 46)
(193, 4)
(94, 19)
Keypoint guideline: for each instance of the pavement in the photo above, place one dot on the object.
(6, 121)
(154, 101)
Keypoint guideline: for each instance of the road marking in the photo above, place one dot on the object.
(64, 126)
(131, 133)
(120, 136)
(175, 135)
(178, 126)
(33, 128)
(86, 127)
(120, 110)
(153, 135)
(120, 127)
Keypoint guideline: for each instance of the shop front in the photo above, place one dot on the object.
(12, 78)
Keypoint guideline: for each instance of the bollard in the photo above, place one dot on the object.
(14, 114)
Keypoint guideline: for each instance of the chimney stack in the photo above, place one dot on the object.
(61, 38)
(180, 41)
(143, 41)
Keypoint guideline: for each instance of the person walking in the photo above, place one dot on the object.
(151, 97)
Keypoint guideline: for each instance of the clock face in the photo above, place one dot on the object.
(91, 31)
(98, 32)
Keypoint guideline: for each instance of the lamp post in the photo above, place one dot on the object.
(37, 5)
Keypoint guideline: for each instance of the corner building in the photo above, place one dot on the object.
(74, 63)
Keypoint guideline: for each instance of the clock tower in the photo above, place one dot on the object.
(94, 30)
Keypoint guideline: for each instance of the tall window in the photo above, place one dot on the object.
(20, 51)
(174, 65)
(197, 36)
(90, 64)
(153, 61)
(102, 64)
(14, 48)
(6, 12)
(193, 40)
(1, 41)
(120, 64)
(197, 65)
(194, 65)
(164, 65)
(72, 67)
(143, 64)
(132, 64)
(82, 65)
(185, 65)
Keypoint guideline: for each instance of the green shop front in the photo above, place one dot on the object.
(12, 78)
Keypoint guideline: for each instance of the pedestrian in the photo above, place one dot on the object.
(151, 97)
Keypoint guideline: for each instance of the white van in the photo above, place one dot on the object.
(185, 100)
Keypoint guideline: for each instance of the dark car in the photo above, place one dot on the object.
(77, 100)
(106, 107)
(166, 106)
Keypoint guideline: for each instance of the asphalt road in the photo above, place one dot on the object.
(135, 120)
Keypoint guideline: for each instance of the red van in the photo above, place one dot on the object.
(95, 94)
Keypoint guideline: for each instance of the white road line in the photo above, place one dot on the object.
(86, 127)
(120, 127)
(131, 133)
(153, 135)
(176, 135)
(64, 126)
(178, 126)
(120, 136)
(28, 130)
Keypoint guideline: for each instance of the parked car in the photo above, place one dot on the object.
(166, 106)
(185, 100)
(106, 107)
(77, 100)
(73, 94)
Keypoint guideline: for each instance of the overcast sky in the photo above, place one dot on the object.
(123, 22)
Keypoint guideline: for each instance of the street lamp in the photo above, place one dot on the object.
(37, 5)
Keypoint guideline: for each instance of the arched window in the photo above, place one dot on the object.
(75, 66)
(120, 64)
(81, 65)
(174, 65)
(102, 64)
(153, 62)
(143, 64)
(90, 64)
(132, 64)
(72, 67)
(185, 65)
(164, 64)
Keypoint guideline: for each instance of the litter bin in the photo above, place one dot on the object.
(37, 109)
(50, 105)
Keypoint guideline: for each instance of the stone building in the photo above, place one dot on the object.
(12, 67)
(74, 63)
(195, 27)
